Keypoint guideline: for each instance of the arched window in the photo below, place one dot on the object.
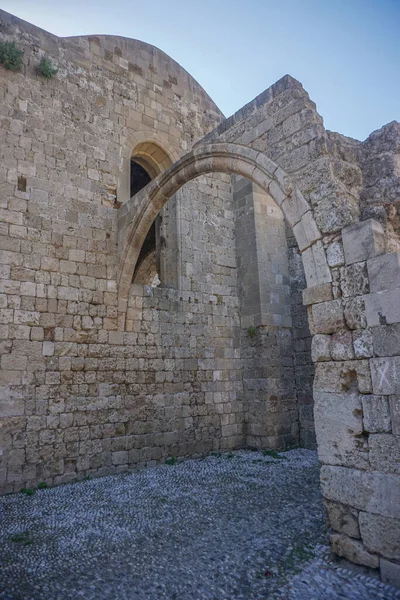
(147, 161)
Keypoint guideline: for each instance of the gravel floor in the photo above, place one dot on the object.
(238, 526)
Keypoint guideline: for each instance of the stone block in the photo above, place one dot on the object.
(354, 280)
(339, 428)
(320, 348)
(376, 414)
(373, 492)
(294, 207)
(384, 453)
(380, 534)
(394, 405)
(384, 272)
(353, 550)
(328, 317)
(315, 266)
(306, 231)
(390, 572)
(385, 373)
(354, 312)
(386, 339)
(12, 404)
(335, 254)
(341, 347)
(344, 376)
(363, 343)
(318, 293)
(382, 308)
(363, 240)
(343, 518)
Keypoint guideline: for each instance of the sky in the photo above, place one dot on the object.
(346, 53)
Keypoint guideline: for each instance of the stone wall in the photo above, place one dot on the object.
(80, 396)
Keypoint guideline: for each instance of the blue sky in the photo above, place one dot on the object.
(346, 53)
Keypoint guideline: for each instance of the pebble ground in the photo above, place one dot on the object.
(234, 526)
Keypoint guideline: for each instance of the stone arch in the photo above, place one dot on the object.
(137, 215)
(151, 147)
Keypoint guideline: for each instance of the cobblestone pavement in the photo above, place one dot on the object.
(237, 526)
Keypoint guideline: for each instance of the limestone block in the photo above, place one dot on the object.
(384, 452)
(320, 348)
(48, 349)
(328, 316)
(342, 346)
(373, 492)
(317, 293)
(306, 231)
(386, 339)
(354, 280)
(353, 550)
(383, 307)
(376, 414)
(12, 403)
(294, 207)
(363, 343)
(343, 376)
(363, 240)
(335, 254)
(394, 405)
(343, 518)
(385, 373)
(339, 428)
(384, 272)
(315, 266)
(390, 572)
(380, 534)
(354, 312)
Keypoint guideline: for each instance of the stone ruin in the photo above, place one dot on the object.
(175, 283)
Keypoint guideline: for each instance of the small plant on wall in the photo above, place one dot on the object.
(46, 68)
(11, 56)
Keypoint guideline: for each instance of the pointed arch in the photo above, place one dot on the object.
(136, 216)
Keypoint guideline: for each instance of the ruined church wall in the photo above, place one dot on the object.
(79, 394)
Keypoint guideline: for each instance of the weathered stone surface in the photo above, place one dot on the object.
(390, 572)
(336, 210)
(384, 272)
(354, 280)
(343, 518)
(339, 430)
(328, 316)
(376, 414)
(354, 312)
(320, 348)
(353, 550)
(341, 347)
(315, 265)
(394, 404)
(343, 376)
(363, 240)
(377, 493)
(380, 534)
(382, 308)
(386, 340)
(385, 373)
(306, 231)
(318, 293)
(363, 343)
(385, 452)
(335, 254)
